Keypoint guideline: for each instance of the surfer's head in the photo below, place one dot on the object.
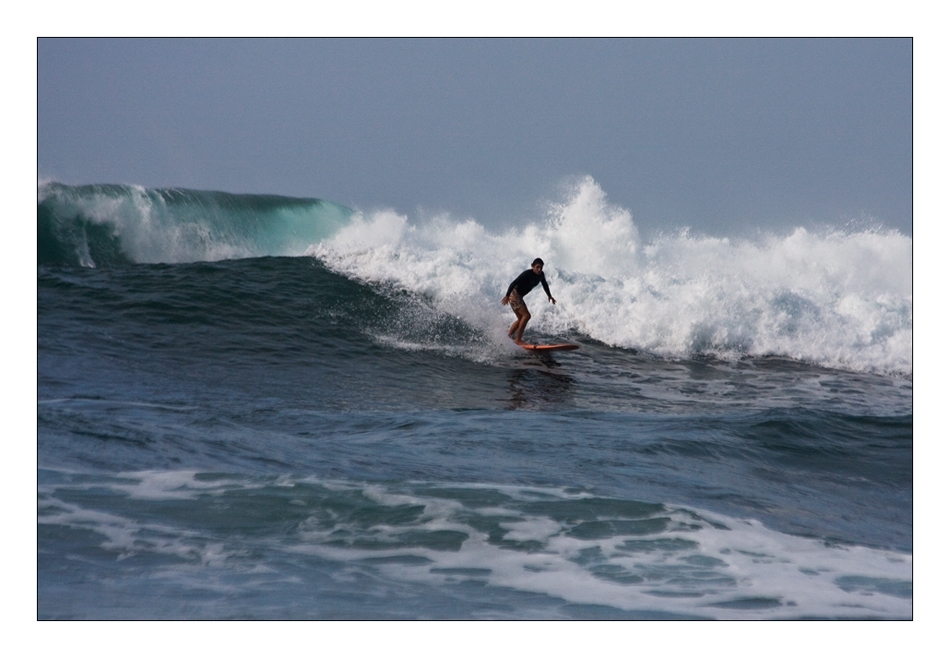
(537, 265)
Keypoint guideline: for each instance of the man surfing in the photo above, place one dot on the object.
(520, 287)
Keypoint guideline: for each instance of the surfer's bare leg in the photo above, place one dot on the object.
(519, 324)
(514, 326)
(521, 311)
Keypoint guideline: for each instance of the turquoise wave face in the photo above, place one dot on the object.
(104, 225)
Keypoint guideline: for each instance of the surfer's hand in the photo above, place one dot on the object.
(552, 300)
(504, 302)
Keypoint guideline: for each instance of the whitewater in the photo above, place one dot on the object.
(837, 298)
(255, 406)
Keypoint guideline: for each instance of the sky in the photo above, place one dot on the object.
(720, 135)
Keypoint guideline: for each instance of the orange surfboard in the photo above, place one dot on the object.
(550, 348)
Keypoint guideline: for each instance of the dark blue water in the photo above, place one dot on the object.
(261, 407)
(266, 438)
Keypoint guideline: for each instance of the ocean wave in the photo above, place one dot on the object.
(842, 299)
(104, 225)
(837, 298)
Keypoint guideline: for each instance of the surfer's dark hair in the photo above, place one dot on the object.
(537, 261)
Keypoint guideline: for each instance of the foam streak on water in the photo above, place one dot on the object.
(568, 554)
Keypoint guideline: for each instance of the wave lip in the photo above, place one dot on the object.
(103, 225)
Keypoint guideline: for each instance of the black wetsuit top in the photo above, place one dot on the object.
(526, 282)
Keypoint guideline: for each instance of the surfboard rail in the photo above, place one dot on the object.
(564, 347)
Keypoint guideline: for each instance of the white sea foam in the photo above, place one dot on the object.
(836, 298)
(701, 564)
(126, 537)
(570, 546)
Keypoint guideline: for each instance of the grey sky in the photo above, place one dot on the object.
(722, 135)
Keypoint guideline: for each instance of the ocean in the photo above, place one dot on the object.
(261, 407)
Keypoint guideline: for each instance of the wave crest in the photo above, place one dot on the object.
(101, 225)
(834, 298)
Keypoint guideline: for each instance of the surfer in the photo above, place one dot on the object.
(520, 287)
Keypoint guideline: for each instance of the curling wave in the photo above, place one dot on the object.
(834, 298)
(103, 225)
